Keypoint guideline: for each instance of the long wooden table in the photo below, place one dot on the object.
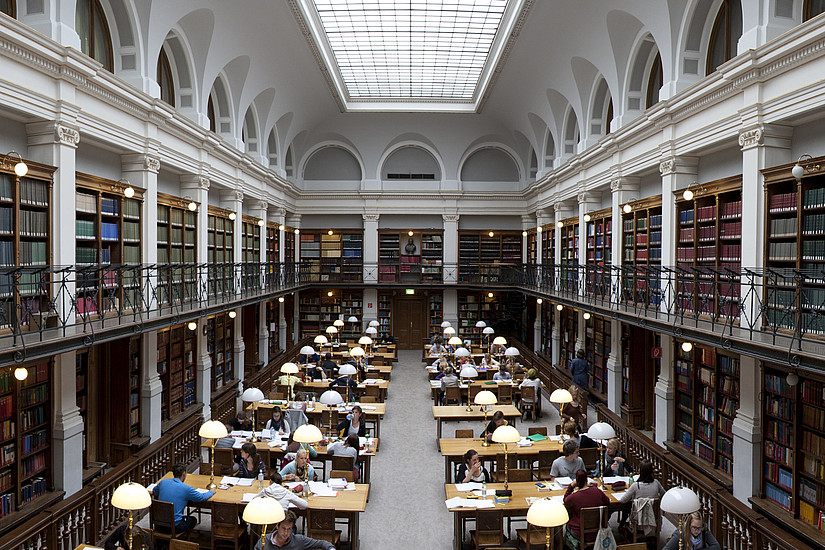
(315, 412)
(373, 371)
(319, 387)
(453, 451)
(464, 389)
(443, 413)
(516, 507)
(347, 504)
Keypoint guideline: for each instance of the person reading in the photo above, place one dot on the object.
(241, 423)
(353, 424)
(347, 447)
(284, 496)
(299, 469)
(696, 537)
(578, 496)
(278, 422)
(497, 420)
(569, 463)
(472, 469)
(284, 537)
(250, 464)
(174, 490)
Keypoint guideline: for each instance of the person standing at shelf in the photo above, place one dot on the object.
(578, 367)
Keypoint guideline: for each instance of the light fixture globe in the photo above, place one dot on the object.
(680, 500)
(449, 331)
(332, 329)
(481, 324)
(263, 510)
(355, 352)
(488, 330)
(331, 397)
(252, 395)
(506, 434)
(547, 513)
(445, 324)
(511, 352)
(213, 429)
(321, 339)
(21, 169)
(364, 341)
(131, 496)
(372, 331)
(290, 368)
(352, 319)
(339, 323)
(561, 396)
(455, 341)
(307, 433)
(485, 397)
(307, 350)
(687, 195)
(347, 369)
(468, 372)
(792, 379)
(374, 323)
(798, 171)
(462, 352)
(21, 373)
(500, 341)
(686, 347)
(601, 431)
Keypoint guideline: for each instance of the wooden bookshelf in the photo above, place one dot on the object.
(220, 344)
(317, 310)
(176, 369)
(273, 243)
(794, 443)
(250, 240)
(639, 373)
(469, 313)
(597, 351)
(795, 242)
(385, 313)
(107, 232)
(25, 436)
(642, 249)
(289, 245)
(707, 391)
(177, 232)
(435, 313)
(352, 261)
(273, 321)
(389, 256)
(409, 258)
(220, 251)
(599, 251)
(569, 333)
(333, 258)
(25, 229)
(532, 246)
(479, 252)
(309, 313)
(709, 240)
(352, 305)
(545, 312)
(570, 253)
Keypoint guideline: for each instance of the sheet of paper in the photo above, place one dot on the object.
(614, 479)
(238, 443)
(201, 491)
(368, 407)
(325, 492)
(245, 482)
(558, 498)
(524, 442)
(248, 496)
(554, 438)
(554, 486)
(293, 484)
(618, 495)
(564, 481)
(472, 486)
(454, 502)
(229, 480)
(482, 503)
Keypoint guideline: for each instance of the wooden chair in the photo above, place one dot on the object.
(369, 399)
(346, 474)
(162, 522)
(545, 463)
(558, 429)
(633, 546)
(452, 395)
(489, 531)
(276, 395)
(638, 534)
(372, 391)
(532, 430)
(177, 544)
(590, 521)
(535, 536)
(590, 457)
(505, 394)
(527, 405)
(321, 525)
(226, 529)
(342, 462)
(224, 461)
(472, 390)
(520, 474)
(464, 434)
(378, 361)
(511, 465)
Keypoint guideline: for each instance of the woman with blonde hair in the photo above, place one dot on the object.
(695, 536)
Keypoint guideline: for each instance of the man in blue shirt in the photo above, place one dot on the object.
(174, 490)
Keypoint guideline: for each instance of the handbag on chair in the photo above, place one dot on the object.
(604, 538)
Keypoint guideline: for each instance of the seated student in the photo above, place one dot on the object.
(532, 379)
(448, 380)
(174, 490)
(615, 463)
(278, 422)
(289, 380)
(472, 470)
(697, 536)
(569, 463)
(488, 362)
(241, 423)
(306, 359)
(513, 366)
(284, 536)
(387, 338)
(347, 447)
(329, 366)
(226, 442)
(502, 374)
(249, 463)
(497, 420)
(118, 539)
(578, 496)
(292, 447)
(646, 486)
(468, 361)
(280, 493)
(571, 432)
(437, 348)
(576, 410)
(353, 424)
(317, 371)
(299, 469)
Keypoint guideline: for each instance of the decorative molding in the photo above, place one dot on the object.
(371, 217)
(153, 165)
(750, 138)
(667, 166)
(450, 217)
(261, 205)
(66, 135)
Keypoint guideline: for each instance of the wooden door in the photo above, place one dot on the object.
(409, 321)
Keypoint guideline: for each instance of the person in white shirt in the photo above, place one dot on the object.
(532, 380)
(488, 362)
(278, 422)
(280, 493)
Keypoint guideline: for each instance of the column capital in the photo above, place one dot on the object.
(139, 162)
(773, 135)
(371, 217)
(41, 133)
(293, 220)
(232, 195)
(561, 208)
(450, 217)
(670, 165)
(261, 205)
(194, 181)
(624, 183)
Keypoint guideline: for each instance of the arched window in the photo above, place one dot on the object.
(210, 113)
(272, 150)
(608, 117)
(654, 82)
(8, 7)
(167, 85)
(534, 164)
(288, 166)
(727, 29)
(571, 133)
(812, 9)
(549, 150)
(95, 40)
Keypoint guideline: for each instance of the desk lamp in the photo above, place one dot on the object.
(480, 325)
(467, 372)
(560, 396)
(499, 342)
(504, 435)
(372, 332)
(549, 514)
(352, 319)
(488, 331)
(253, 395)
(132, 496)
(484, 398)
(455, 342)
(601, 432)
(306, 435)
(445, 324)
(332, 330)
(365, 342)
(288, 369)
(348, 370)
(309, 351)
(214, 430)
(360, 355)
(338, 323)
(321, 340)
(374, 323)
(331, 398)
(682, 502)
(263, 511)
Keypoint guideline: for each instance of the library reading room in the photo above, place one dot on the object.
(585, 237)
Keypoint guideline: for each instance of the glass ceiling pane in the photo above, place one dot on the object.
(404, 49)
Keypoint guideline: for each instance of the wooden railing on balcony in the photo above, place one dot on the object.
(88, 516)
(735, 525)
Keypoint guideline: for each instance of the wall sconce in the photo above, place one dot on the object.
(329, 294)
(281, 227)
(192, 325)
(627, 208)
(192, 206)
(297, 231)
(281, 299)
(329, 232)
(233, 314)
(792, 379)
(261, 223)
(21, 373)
(586, 315)
(232, 216)
(410, 233)
(559, 307)
(586, 218)
(128, 190)
(686, 347)
(539, 229)
(489, 294)
(797, 171)
(524, 233)
(20, 167)
(491, 234)
(559, 224)
(539, 301)
(692, 190)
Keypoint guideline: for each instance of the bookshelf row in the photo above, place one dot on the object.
(474, 307)
(333, 257)
(318, 309)
(476, 247)
(176, 369)
(410, 258)
(597, 351)
(220, 344)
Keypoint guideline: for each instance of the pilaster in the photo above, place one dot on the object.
(68, 428)
(450, 251)
(747, 431)
(614, 368)
(665, 394)
(259, 210)
(587, 203)
(203, 364)
(151, 388)
(232, 200)
(764, 21)
(677, 173)
(141, 170)
(370, 247)
(623, 189)
(527, 222)
(450, 306)
(197, 187)
(54, 19)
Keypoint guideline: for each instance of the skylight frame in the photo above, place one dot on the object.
(340, 75)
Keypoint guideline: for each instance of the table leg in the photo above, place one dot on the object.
(438, 435)
(447, 469)
(457, 531)
(354, 528)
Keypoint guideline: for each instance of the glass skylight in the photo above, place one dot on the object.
(411, 50)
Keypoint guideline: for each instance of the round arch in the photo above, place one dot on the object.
(415, 145)
(331, 144)
(510, 154)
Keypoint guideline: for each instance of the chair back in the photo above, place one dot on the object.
(349, 475)
(378, 361)
(275, 395)
(590, 521)
(633, 546)
(464, 434)
(372, 391)
(472, 390)
(321, 523)
(452, 395)
(162, 519)
(224, 520)
(528, 393)
(638, 524)
(340, 462)
(520, 474)
(178, 544)
(489, 527)
(590, 457)
(369, 399)
(505, 394)
(224, 459)
(329, 418)
(532, 430)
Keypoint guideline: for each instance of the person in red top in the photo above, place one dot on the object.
(578, 496)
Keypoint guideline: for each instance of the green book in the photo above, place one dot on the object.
(537, 437)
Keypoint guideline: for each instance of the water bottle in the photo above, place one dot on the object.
(484, 490)
(261, 479)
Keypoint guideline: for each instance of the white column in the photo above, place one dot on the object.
(450, 307)
(527, 222)
(55, 143)
(664, 394)
(370, 307)
(296, 319)
(556, 337)
(764, 21)
(203, 365)
(197, 187)
(150, 388)
(677, 173)
(259, 211)
(747, 431)
(370, 248)
(280, 324)
(67, 444)
(141, 170)
(614, 368)
(450, 250)
(623, 190)
(233, 201)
